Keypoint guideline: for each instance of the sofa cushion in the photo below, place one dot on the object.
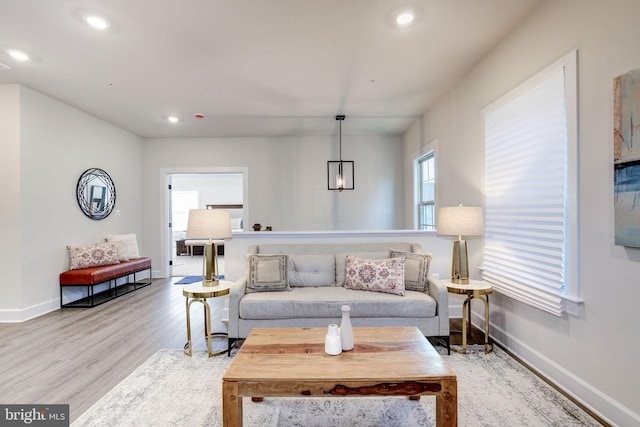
(416, 269)
(92, 256)
(130, 244)
(376, 275)
(312, 270)
(342, 258)
(326, 302)
(267, 273)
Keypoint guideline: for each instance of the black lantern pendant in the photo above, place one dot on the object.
(340, 173)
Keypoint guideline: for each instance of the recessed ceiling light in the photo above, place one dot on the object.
(173, 119)
(97, 22)
(404, 18)
(19, 55)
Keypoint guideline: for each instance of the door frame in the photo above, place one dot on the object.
(165, 203)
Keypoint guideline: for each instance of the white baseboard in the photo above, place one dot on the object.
(610, 410)
(24, 314)
(160, 274)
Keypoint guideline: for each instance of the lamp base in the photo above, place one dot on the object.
(460, 265)
(209, 265)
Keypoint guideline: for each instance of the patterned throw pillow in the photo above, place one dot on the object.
(377, 275)
(92, 256)
(416, 269)
(120, 247)
(267, 273)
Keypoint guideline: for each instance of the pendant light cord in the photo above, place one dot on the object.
(340, 142)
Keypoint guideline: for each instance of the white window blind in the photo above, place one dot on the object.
(527, 205)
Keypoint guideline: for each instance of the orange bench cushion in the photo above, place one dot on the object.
(94, 275)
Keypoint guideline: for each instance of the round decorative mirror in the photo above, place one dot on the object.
(96, 193)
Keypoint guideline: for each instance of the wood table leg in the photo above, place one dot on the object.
(447, 404)
(231, 405)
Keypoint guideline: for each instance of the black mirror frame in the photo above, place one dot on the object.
(84, 200)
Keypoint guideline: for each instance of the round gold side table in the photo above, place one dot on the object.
(474, 289)
(198, 293)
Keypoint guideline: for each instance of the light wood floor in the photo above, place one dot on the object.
(76, 356)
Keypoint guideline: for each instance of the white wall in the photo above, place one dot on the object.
(11, 250)
(594, 356)
(213, 189)
(56, 144)
(287, 181)
(235, 249)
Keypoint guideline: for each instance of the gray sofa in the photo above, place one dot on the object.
(316, 293)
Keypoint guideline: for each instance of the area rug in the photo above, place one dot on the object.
(187, 280)
(171, 389)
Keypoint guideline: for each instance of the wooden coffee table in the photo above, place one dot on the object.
(393, 361)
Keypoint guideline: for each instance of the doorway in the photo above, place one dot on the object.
(219, 190)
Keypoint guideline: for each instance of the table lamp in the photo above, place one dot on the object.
(209, 224)
(460, 221)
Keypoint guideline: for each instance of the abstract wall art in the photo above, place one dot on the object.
(626, 158)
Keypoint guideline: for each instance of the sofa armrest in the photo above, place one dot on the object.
(438, 291)
(236, 292)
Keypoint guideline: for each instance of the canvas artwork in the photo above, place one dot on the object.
(626, 158)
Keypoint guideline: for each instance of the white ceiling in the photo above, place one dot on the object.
(252, 67)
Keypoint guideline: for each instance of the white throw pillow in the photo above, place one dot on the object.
(130, 244)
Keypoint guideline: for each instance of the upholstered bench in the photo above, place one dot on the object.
(106, 276)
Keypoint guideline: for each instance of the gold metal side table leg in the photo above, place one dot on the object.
(187, 346)
(207, 328)
(466, 319)
(488, 348)
(466, 308)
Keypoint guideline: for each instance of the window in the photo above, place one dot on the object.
(426, 189)
(181, 203)
(530, 247)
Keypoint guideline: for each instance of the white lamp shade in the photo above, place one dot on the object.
(209, 224)
(460, 221)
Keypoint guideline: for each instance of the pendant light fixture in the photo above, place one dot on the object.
(340, 173)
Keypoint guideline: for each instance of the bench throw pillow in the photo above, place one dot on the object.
(416, 269)
(92, 256)
(267, 273)
(123, 254)
(130, 249)
(376, 275)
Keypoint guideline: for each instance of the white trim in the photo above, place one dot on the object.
(28, 313)
(424, 150)
(165, 237)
